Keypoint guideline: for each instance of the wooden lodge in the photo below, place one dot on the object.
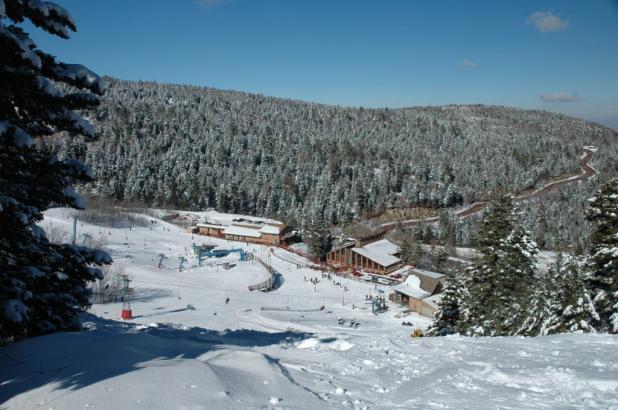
(421, 291)
(374, 257)
(244, 230)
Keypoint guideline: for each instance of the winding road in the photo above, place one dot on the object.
(587, 171)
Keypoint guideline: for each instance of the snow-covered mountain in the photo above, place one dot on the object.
(196, 147)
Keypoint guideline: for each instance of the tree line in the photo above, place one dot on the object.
(196, 148)
(502, 296)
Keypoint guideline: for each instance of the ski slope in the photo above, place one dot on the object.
(187, 348)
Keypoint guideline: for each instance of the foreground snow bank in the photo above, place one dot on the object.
(118, 365)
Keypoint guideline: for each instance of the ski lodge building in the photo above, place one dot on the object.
(379, 257)
(421, 291)
(243, 229)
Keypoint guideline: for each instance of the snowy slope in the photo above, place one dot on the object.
(278, 349)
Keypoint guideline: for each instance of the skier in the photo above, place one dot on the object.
(227, 300)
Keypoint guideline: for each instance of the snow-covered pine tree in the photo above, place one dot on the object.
(499, 287)
(517, 273)
(562, 302)
(42, 285)
(410, 250)
(603, 260)
(439, 258)
(541, 307)
(478, 308)
(317, 235)
(417, 255)
(448, 227)
(447, 316)
(576, 309)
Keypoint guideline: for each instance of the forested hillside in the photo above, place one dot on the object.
(195, 147)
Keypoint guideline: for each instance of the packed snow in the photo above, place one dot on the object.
(296, 347)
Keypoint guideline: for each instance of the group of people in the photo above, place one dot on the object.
(313, 281)
(353, 323)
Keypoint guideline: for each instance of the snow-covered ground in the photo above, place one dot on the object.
(278, 349)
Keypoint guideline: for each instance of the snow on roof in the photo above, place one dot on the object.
(240, 231)
(429, 274)
(210, 226)
(380, 252)
(411, 288)
(247, 224)
(413, 281)
(228, 219)
(410, 292)
(434, 300)
(403, 270)
(382, 246)
(269, 229)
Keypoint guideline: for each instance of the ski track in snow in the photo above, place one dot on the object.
(288, 355)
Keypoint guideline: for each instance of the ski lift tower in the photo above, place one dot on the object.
(74, 238)
(161, 258)
(127, 313)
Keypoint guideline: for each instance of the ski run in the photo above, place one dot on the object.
(199, 339)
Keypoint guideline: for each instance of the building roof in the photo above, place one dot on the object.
(227, 219)
(380, 252)
(249, 225)
(403, 270)
(270, 230)
(382, 246)
(241, 225)
(429, 281)
(410, 291)
(210, 226)
(430, 274)
(240, 231)
(411, 288)
(433, 301)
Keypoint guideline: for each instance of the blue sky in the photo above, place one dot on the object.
(554, 55)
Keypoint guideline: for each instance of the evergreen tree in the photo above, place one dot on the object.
(500, 286)
(517, 269)
(439, 258)
(603, 260)
(562, 302)
(447, 317)
(541, 226)
(417, 255)
(42, 285)
(448, 227)
(410, 250)
(318, 237)
(419, 230)
(576, 306)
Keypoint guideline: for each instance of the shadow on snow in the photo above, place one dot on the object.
(74, 360)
